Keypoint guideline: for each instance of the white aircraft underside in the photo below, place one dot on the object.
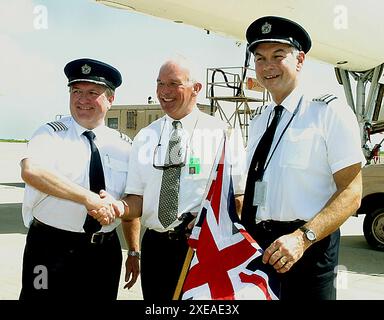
(347, 33)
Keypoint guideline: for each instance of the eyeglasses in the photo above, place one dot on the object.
(177, 160)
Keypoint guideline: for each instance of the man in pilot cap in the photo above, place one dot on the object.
(304, 161)
(68, 253)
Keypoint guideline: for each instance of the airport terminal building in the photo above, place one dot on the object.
(129, 119)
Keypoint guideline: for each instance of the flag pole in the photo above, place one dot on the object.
(189, 255)
(183, 274)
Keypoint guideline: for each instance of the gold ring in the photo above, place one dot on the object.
(283, 260)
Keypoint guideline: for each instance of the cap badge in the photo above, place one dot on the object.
(266, 28)
(85, 69)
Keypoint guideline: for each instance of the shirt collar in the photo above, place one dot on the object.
(291, 102)
(189, 121)
(80, 129)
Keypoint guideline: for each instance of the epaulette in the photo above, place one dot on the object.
(258, 111)
(327, 98)
(125, 137)
(57, 126)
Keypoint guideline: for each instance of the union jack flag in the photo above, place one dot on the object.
(227, 261)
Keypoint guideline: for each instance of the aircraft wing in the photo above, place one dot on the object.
(345, 33)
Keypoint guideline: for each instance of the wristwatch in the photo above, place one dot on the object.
(134, 253)
(309, 234)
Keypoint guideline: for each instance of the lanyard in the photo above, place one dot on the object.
(281, 135)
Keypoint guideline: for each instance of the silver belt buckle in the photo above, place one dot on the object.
(93, 237)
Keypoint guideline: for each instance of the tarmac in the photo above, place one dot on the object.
(360, 272)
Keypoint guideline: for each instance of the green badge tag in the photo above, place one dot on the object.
(194, 165)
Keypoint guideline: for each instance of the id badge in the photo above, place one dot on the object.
(260, 194)
(194, 165)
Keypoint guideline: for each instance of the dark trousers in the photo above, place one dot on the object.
(60, 264)
(162, 260)
(313, 277)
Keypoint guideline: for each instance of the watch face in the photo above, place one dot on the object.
(310, 235)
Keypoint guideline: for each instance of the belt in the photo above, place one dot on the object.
(101, 237)
(170, 235)
(93, 238)
(270, 225)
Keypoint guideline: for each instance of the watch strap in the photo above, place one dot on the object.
(133, 253)
(310, 235)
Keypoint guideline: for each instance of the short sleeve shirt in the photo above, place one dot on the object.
(201, 138)
(320, 140)
(61, 148)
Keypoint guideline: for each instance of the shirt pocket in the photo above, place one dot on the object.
(297, 148)
(116, 173)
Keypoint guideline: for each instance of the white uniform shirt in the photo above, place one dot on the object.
(201, 137)
(67, 153)
(321, 140)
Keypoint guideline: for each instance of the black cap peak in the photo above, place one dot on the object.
(90, 70)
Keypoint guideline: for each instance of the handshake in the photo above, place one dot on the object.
(104, 208)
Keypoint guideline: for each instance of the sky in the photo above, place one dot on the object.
(37, 39)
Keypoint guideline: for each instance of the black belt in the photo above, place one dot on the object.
(93, 238)
(269, 225)
(170, 235)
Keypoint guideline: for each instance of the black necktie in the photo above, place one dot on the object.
(96, 181)
(256, 170)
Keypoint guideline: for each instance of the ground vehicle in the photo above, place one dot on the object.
(372, 205)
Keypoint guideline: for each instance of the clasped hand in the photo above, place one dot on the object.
(104, 208)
